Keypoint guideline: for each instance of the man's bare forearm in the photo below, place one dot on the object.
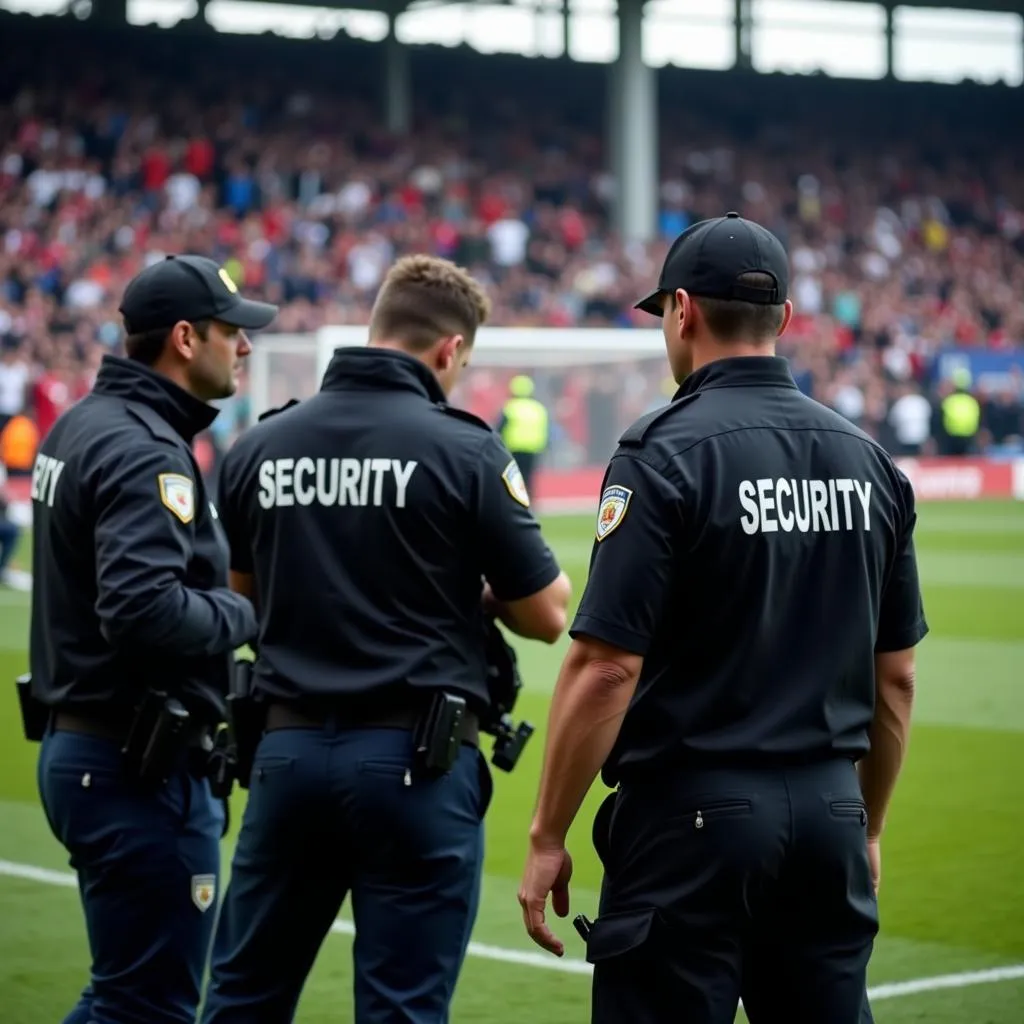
(890, 733)
(541, 616)
(590, 701)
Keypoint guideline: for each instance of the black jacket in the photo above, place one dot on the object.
(129, 559)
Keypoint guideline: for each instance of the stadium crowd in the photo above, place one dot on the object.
(898, 249)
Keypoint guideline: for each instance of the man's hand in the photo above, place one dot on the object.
(875, 860)
(548, 870)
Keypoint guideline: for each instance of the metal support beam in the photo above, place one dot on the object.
(742, 21)
(634, 138)
(889, 36)
(397, 82)
(199, 23)
(613, 132)
(110, 12)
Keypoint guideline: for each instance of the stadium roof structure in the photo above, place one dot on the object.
(396, 7)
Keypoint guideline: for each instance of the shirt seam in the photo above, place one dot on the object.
(906, 637)
(532, 585)
(582, 617)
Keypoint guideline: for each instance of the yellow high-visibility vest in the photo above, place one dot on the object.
(526, 425)
(961, 414)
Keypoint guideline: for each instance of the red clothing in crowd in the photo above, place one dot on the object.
(199, 158)
(156, 168)
(51, 396)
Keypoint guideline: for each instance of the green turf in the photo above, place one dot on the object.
(952, 897)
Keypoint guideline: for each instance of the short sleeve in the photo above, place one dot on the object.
(517, 562)
(637, 532)
(230, 502)
(901, 620)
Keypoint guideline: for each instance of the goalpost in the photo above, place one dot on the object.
(594, 382)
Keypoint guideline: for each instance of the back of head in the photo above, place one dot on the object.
(521, 386)
(425, 299)
(962, 379)
(724, 284)
(735, 320)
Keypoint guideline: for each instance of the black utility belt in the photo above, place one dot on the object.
(440, 722)
(354, 715)
(158, 737)
(190, 736)
(161, 737)
(191, 749)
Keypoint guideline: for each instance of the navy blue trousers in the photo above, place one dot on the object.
(148, 862)
(332, 812)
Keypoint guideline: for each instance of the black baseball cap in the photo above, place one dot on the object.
(708, 257)
(188, 288)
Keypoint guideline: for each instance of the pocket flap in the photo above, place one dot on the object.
(622, 932)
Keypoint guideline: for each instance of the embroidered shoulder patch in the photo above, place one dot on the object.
(612, 510)
(515, 483)
(177, 492)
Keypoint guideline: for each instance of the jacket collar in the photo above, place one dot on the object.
(380, 369)
(128, 379)
(738, 372)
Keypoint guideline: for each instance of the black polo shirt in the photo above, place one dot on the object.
(757, 549)
(368, 516)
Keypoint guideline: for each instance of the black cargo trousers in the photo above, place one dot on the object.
(722, 884)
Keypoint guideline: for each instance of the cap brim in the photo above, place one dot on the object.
(652, 303)
(252, 316)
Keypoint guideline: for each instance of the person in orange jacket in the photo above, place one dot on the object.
(19, 441)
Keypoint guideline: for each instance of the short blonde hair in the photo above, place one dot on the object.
(424, 298)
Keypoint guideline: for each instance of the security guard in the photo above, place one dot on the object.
(524, 427)
(748, 626)
(363, 520)
(961, 416)
(133, 628)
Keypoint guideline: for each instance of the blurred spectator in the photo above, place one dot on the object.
(19, 440)
(911, 420)
(10, 532)
(1003, 418)
(14, 378)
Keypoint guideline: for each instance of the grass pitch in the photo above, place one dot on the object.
(952, 899)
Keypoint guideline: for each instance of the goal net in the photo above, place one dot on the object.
(593, 382)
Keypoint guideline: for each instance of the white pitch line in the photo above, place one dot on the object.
(891, 990)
